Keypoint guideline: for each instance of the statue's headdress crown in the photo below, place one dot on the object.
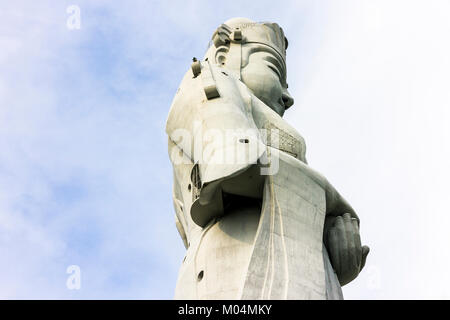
(247, 31)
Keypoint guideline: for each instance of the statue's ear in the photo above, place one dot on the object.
(221, 39)
(221, 55)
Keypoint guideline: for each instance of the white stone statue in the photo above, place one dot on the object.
(256, 220)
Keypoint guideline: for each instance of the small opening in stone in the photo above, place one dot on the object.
(243, 140)
(200, 276)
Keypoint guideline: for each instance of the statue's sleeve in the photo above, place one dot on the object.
(210, 123)
(180, 219)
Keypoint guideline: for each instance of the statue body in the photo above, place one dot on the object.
(257, 221)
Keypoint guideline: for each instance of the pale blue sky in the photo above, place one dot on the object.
(84, 173)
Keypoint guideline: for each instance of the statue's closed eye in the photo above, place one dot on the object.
(271, 67)
(276, 67)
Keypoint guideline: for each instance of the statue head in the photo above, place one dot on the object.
(255, 53)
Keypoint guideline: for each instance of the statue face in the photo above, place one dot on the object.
(263, 72)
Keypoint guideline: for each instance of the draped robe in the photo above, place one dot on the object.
(225, 142)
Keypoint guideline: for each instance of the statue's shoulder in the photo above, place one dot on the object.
(206, 90)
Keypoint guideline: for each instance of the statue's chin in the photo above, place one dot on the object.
(276, 107)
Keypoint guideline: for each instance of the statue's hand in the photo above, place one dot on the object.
(343, 242)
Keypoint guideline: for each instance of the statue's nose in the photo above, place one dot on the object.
(287, 99)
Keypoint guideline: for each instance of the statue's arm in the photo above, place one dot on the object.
(341, 231)
(342, 237)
